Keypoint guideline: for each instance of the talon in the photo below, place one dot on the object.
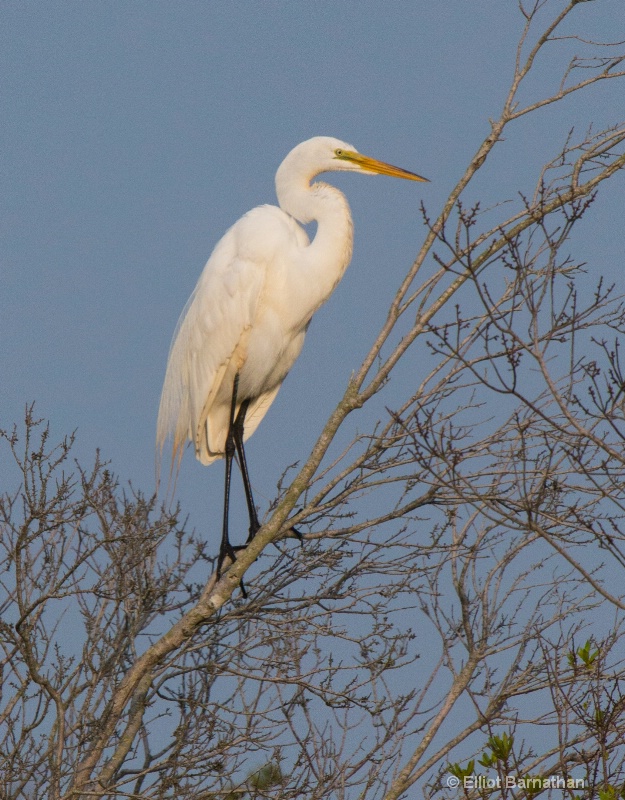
(231, 552)
(252, 533)
(297, 535)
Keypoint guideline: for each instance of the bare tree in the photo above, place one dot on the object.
(466, 637)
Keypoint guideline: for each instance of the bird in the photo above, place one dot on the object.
(244, 325)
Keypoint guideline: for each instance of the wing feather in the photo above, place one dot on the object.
(212, 325)
(210, 343)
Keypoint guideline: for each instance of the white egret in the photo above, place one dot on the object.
(245, 322)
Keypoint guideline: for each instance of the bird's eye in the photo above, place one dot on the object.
(338, 153)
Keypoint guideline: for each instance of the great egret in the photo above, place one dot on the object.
(245, 322)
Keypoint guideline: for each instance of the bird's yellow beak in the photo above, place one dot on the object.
(376, 167)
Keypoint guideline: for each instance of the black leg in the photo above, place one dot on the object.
(226, 548)
(234, 442)
(239, 424)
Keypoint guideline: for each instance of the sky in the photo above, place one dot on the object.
(135, 133)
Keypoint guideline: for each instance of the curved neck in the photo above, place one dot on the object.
(326, 258)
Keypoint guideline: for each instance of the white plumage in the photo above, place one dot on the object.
(251, 307)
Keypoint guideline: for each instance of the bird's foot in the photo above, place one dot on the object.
(291, 533)
(295, 534)
(230, 551)
(254, 528)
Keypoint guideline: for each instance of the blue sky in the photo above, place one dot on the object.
(135, 133)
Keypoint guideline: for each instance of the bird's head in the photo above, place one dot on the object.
(327, 154)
